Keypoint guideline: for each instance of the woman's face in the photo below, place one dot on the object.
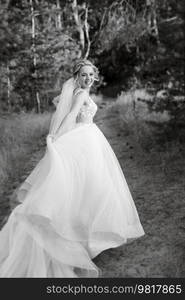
(86, 77)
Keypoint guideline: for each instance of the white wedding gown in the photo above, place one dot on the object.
(76, 204)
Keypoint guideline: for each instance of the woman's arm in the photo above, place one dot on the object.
(70, 119)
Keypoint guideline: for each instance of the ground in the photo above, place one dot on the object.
(160, 204)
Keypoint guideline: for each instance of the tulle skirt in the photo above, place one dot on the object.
(73, 205)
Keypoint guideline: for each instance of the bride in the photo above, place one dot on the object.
(76, 202)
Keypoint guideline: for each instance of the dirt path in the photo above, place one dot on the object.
(160, 253)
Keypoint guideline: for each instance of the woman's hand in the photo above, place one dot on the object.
(52, 137)
(56, 100)
(67, 124)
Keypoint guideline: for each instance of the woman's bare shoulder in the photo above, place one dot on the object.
(79, 91)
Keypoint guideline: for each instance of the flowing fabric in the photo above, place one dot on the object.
(75, 204)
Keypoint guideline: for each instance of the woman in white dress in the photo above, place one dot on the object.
(76, 202)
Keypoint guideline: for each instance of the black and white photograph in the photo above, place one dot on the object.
(92, 139)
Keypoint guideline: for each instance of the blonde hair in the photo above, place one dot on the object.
(85, 62)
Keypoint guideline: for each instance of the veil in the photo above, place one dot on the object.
(63, 106)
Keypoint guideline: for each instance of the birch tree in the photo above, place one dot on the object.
(80, 14)
(151, 16)
(58, 18)
(35, 72)
(8, 86)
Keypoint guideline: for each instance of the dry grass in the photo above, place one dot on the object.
(143, 126)
(132, 108)
(18, 135)
(153, 166)
(151, 156)
(149, 133)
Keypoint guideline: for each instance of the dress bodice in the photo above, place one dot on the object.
(87, 111)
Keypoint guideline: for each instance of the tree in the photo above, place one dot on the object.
(34, 55)
(41, 40)
(80, 13)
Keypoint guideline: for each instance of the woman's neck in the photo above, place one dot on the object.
(87, 90)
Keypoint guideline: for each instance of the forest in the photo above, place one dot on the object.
(133, 42)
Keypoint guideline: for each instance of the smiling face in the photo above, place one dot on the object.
(86, 77)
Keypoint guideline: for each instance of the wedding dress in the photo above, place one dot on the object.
(73, 205)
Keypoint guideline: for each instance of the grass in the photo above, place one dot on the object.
(19, 134)
(150, 150)
(149, 130)
(150, 153)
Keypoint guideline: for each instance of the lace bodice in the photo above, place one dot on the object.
(87, 112)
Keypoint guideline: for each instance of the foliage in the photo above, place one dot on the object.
(128, 40)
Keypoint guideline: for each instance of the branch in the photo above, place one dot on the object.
(168, 20)
(97, 35)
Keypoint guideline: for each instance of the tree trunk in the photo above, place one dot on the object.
(35, 74)
(59, 23)
(79, 25)
(151, 17)
(82, 27)
(8, 87)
